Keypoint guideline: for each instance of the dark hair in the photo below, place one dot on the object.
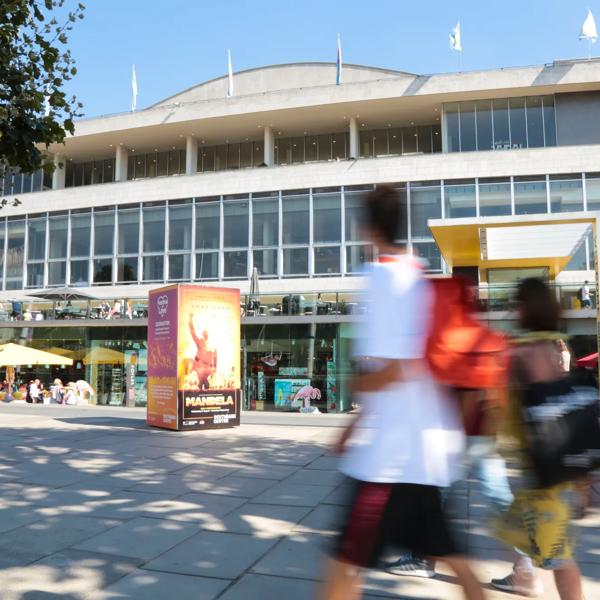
(383, 214)
(539, 308)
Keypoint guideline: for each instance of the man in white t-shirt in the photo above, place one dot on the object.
(406, 442)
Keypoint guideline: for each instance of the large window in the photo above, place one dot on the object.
(296, 218)
(235, 237)
(154, 228)
(592, 189)
(180, 227)
(36, 237)
(265, 235)
(81, 234)
(265, 221)
(425, 204)
(208, 225)
(36, 251)
(327, 216)
(422, 139)
(355, 217)
(15, 253)
(129, 231)
(104, 232)
(494, 197)
(500, 124)
(459, 198)
(57, 251)
(235, 224)
(530, 195)
(566, 193)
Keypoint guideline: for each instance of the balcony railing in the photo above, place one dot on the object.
(490, 299)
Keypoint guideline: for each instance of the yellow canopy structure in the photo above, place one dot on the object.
(512, 242)
(103, 356)
(14, 355)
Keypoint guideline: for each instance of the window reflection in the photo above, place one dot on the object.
(530, 195)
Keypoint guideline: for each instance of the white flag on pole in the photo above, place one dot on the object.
(588, 29)
(229, 75)
(455, 42)
(134, 88)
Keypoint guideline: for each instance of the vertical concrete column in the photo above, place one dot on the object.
(59, 173)
(121, 164)
(269, 147)
(354, 138)
(191, 155)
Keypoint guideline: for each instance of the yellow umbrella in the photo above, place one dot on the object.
(14, 355)
(103, 356)
(74, 354)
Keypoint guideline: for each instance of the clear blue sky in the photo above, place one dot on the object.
(178, 43)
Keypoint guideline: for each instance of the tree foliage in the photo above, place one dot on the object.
(35, 64)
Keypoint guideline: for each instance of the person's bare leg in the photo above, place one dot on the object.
(466, 578)
(342, 582)
(568, 582)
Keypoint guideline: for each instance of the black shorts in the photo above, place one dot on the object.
(402, 515)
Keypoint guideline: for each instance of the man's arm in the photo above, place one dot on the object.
(194, 336)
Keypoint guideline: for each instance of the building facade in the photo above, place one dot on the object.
(210, 189)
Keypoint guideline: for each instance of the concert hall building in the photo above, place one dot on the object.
(205, 188)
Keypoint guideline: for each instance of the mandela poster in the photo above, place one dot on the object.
(207, 371)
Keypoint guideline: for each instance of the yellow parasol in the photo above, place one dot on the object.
(74, 354)
(103, 356)
(13, 355)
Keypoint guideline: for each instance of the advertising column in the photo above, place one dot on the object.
(209, 357)
(162, 409)
(194, 357)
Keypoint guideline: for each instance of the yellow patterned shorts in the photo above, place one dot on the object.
(539, 524)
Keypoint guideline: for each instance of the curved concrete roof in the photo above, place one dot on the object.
(280, 77)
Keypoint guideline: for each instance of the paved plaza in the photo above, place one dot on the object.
(94, 505)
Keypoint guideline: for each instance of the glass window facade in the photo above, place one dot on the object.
(500, 124)
(290, 233)
(422, 139)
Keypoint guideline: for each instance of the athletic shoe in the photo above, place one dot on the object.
(520, 582)
(412, 567)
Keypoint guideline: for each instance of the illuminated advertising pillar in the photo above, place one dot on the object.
(193, 357)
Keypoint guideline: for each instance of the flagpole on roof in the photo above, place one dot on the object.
(589, 32)
(456, 43)
(229, 75)
(134, 88)
(338, 73)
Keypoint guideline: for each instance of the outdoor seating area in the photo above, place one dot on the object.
(318, 303)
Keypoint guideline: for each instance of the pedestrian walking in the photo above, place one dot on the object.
(405, 443)
(539, 520)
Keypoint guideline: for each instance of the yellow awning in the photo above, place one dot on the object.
(14, 355)
(525, 241)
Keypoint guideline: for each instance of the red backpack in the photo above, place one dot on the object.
(463, 352)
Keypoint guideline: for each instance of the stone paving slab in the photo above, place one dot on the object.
(152, 585)
(65, 574)
(212, 554)
(142, 538)
(95, 506)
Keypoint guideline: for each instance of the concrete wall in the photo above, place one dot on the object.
(578, 118)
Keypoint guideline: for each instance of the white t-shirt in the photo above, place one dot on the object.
(410, 432)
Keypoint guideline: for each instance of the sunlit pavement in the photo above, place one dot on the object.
(95, 505)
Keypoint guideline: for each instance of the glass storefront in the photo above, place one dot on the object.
(280, 360)
(277, 360)
(113, 360)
